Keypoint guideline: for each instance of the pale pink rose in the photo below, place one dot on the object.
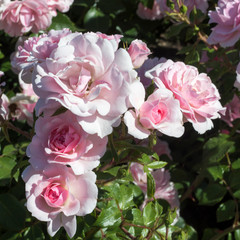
(147, 65)
(198, 96)
(60, 139)
(4, 103)
(150, 14)
(3, 4)
(232, 111)
(226, 16)
(160, 111)
(25, 103)
(114, 39)
(237, 82)
(138, 52)
(88, 76)
(60, 5)
(20, 17)
(164, 188)
(33, 51)
(56, 195)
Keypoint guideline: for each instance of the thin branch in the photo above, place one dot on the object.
(225, 232)
(18, 130)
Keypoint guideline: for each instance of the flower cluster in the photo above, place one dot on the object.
(18, 17)
(86, 85)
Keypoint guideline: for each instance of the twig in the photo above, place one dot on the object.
(18, 130)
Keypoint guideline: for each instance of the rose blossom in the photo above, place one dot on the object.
(226, 15)
(25, 103)
(4, 103)
(232, 111)
(88, 76)
(60, 5)
(150, 14)
(60, 139)
(56, 195)
(138, 52)
(198, 96)
(164, 188)
(160, 111)
(20, 17)
(237, 82)
(35, 50)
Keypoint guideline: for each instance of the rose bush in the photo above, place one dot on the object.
(98, 106)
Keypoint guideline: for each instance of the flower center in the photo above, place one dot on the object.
(55, 195)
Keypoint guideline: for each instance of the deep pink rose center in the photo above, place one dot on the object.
(63, 139)
(158, 113)
(55, 195)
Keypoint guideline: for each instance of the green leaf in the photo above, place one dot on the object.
(62, 21)
(12, 215)
(9, 150)
(237, 234)
(217, 171)
(175, 29)
(113, 171)
(96, 20)
(137, 216)
(109, 6)
(145, 159)
(157, 165)
(192, 57)
(34, 232)
(215, 149)
(151, 185)
(122, 194)
(7, 163)
(226, 211)
(59, 111)
(109, 217)
(149, 214)
(211, 194)
(236, 164)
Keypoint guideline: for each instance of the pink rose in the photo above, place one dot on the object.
(56, 195)
(25, 103)
(60, 139)
(60, 5)
(33, 51)
(164, 188)
(160, 111)
(20, 17)
(232, 111)
(4, 103)
(89, 76)
(198, 96)
(226, 16)
(138, 52)
(150, 14)
(114, 39)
